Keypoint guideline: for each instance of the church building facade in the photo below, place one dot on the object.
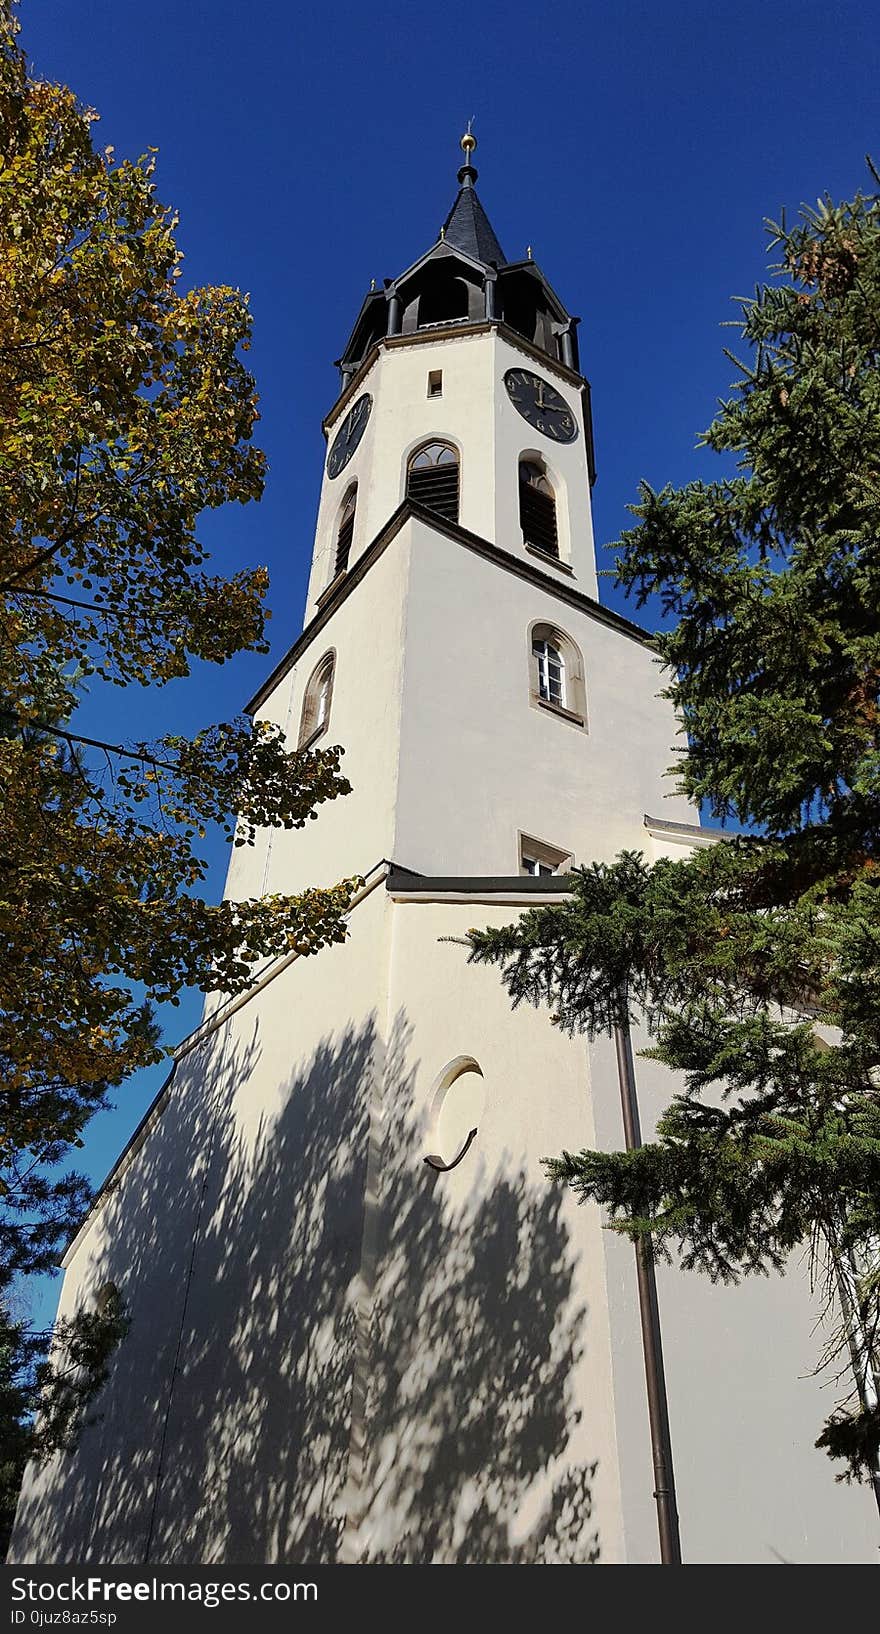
(365, 1328)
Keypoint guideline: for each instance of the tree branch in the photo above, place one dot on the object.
(96, 743)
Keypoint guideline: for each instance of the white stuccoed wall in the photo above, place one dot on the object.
(479, 763)
(337, 1352)
(448, 757)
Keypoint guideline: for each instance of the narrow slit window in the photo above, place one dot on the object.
(432, 479)
(435, 382)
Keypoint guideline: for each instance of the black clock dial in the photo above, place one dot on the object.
(541, 404)
(349, 435)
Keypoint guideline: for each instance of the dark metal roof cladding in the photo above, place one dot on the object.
(467, 226)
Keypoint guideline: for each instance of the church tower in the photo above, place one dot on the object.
(452, 613)
(364, 1326)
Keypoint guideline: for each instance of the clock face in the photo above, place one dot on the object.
(349, 435)
(541, 404)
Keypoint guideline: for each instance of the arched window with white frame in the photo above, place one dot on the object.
(556, 673)
(345, 531)
(550, 662)
(315, 716)
(432, 478)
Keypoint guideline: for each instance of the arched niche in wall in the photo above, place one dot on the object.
(455, 1107)
(107, 1303)
(107, 1299)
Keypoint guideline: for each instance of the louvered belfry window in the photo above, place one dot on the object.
(432, 479)
(537, 509)
(346, 531)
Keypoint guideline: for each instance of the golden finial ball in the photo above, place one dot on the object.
(468, 143)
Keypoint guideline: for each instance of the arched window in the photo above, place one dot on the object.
(537, 508)
(445, 300)
(556, 671)
(551, 670)
(519, 303)
(345, 531)
(316, 702)
(432, 479)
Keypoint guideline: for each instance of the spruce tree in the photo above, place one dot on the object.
(756, 962)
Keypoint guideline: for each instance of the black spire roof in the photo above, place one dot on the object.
(467, 226)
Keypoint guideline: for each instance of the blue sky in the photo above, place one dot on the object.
(637, 147)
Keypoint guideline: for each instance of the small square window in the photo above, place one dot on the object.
(435, 382)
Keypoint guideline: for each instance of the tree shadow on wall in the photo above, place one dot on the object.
(325, 1361)
(473, 1344)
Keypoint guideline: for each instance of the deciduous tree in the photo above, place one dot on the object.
(126, 411)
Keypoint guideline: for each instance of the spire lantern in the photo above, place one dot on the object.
(464, 278)
(467, 175)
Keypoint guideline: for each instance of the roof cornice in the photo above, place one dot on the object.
(498, 889)
(440, 250)
(660, 828)
(452, 331)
